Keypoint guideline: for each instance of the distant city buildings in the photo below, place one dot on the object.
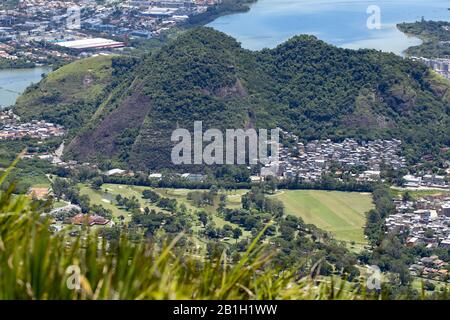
(423, 221)
(425, 181)
(312, 160)
(439, 65)
(38, 31)
(11, 128)
(93, 43)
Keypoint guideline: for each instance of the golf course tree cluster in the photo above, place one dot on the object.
(287, 236)
(154, 222)
(205, 217)
(155, 270)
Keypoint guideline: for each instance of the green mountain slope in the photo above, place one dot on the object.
(304, 85)
(68, 95)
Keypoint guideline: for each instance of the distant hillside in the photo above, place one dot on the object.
(69, 95)
(225, 7)
(304, 85)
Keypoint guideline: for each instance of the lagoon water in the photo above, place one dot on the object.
(270, 22)
(339, 22)
(14, 81)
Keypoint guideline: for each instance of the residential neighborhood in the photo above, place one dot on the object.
(439, 65)
(312, 160)
(11, 128)
(430, 267)
(43, 32)
(425, 220)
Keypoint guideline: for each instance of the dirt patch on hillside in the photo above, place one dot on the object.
(101, 141)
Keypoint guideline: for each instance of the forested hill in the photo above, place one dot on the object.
(303, 85)
(69, 95)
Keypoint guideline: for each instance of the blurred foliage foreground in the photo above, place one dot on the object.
(36, 263)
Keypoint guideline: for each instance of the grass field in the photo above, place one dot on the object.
(106, 197)
(416, 194)
(341, 213)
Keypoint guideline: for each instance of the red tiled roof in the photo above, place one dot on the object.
(89, 219)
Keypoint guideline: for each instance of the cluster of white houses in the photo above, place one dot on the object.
(425, 221)
(426, 180)
(439, 65)
(311, 160)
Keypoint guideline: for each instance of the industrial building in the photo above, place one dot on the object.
(94, 43)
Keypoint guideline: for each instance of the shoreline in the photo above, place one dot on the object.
(224, 9)
(410, 40)
(422, 38)
(405, 53)
(10, 65)
(426, 31)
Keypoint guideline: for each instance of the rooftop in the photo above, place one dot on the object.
(91, 44)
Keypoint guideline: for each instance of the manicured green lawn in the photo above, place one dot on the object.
(341, 213)
(416, 194)
(417, 284)
(99, 197)
(106, 197)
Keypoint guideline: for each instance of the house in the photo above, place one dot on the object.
(372, 174)
(411, 181)
(445, 243)
(269, 171)
(424, 214)
(39, 193)
(193, 177)
(433, 179)
(427, 261)
(445, 209)
(90, 220)
(157, 176)
(411, 242)
(255, 178)
(115, 172)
